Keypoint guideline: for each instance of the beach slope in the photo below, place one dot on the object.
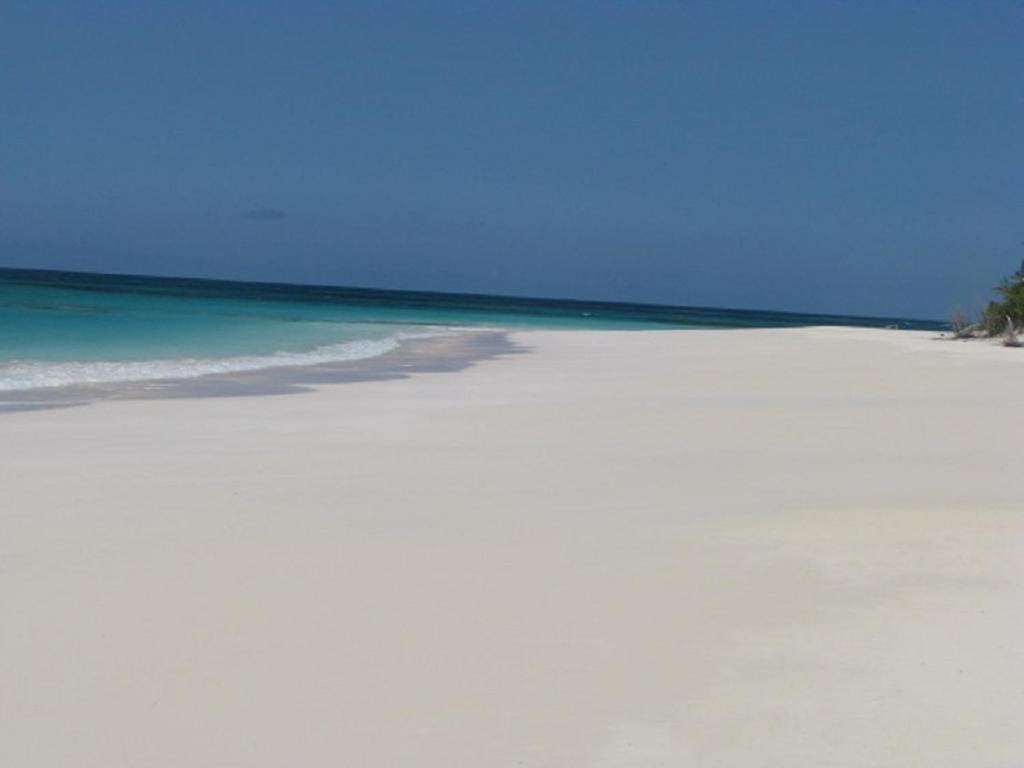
(679, 548)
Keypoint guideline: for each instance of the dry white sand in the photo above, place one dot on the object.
(759, 548)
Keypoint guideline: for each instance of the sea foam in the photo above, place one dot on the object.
(27, 375)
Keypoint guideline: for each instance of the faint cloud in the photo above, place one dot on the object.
(264, 214)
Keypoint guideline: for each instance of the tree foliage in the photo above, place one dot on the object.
(1011, 290)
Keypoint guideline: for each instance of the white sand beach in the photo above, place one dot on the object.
(666, 548)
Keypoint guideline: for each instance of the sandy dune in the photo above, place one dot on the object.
(696, 548)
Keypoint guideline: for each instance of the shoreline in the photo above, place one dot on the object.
(449, 351)
(441, 353)
(775, 547)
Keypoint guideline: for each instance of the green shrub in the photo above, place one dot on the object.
(1011, 290)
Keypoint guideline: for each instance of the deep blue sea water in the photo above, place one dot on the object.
(60, 328)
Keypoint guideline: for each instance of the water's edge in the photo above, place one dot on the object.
(71, 338)
(447, 353)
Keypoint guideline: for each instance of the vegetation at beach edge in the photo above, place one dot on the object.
(1000, 317)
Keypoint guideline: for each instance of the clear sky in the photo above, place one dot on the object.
(821, 156)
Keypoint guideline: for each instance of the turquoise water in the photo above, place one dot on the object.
(59, 328)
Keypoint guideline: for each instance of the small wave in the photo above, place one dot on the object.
(28, 375)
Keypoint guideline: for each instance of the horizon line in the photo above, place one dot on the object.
(469, 294)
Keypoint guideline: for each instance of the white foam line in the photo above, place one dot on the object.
(28, 375)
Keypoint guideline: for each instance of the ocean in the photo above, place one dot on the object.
(66, 328)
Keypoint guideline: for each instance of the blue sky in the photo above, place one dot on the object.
(821, 156)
